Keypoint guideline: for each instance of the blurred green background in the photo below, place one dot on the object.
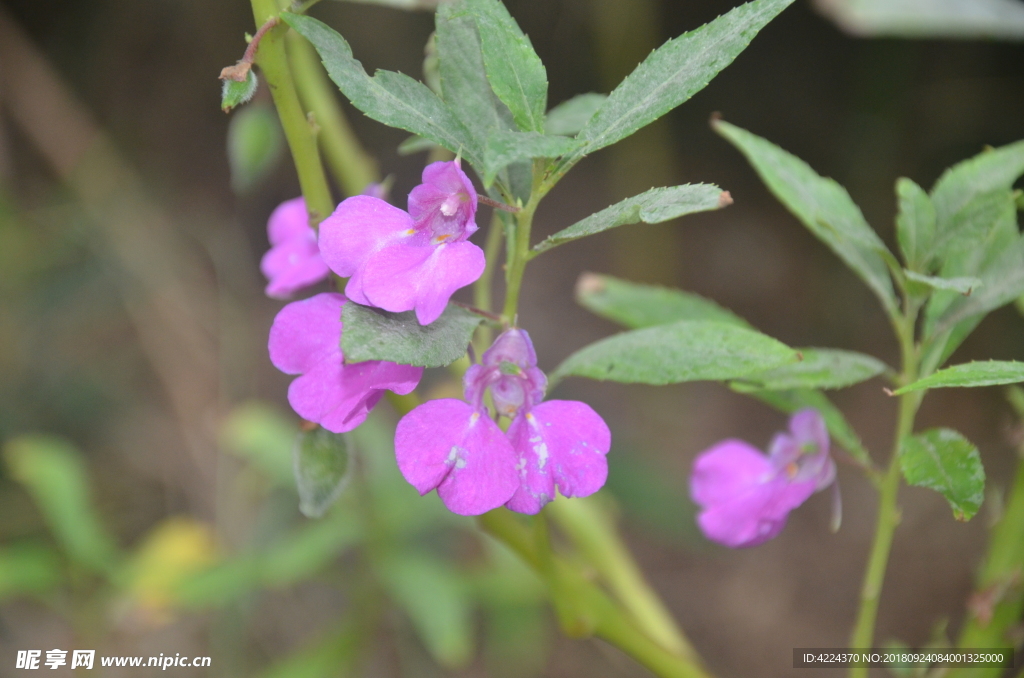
(133, 325)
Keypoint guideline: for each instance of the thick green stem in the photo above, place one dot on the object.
(583, 608)
(352, 167)
(273, 61)
(888, 512)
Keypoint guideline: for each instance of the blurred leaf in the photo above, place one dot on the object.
(464, 84)
(173, 550)
(673, 73)
(973, 19)
(517, 642)
(822, 205)
(504, 148)
(401, 4)
(415, 144)
(28, 568)
(683, 351)
(840, 430)
(915, 223)
(234, 93)
(391, 98)
(261, 434)
(373, 334)
(820, 368)
(988, 373)
(321, 462)
(651, 207)
(964, 285)
(255, 143)
(636, 306)
(943, 460)
(328, 657)
(513, 68)
(651, 497)
(435, 600)
(570, 116)
(51, 470)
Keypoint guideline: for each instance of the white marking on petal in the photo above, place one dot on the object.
(460, 463)
(452, 456)
(542, 455)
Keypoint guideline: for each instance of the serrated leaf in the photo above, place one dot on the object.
(320, 460)
(513, 68)
(464, 84)
(234, 93)
(963, 285)
(373, 334)
(915, 223)
(1002, 282)
(943, 460)
(255, 144)
(987, 373)
(504, 148)
(391, 98)
(822, 205)
(968, 227)
(636, 306)
(682, 351)
(52, 471)
(570, 116)
(651, 207)
(673, 73)
(798, 399)
(436, 602)
(824, 368)
(990, 170)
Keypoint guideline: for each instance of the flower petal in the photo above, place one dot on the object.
(727, 470)
(293, 264)
(289, 220)
(560, 443)
(446, 444)
(359, 227)
(445, 203)
(306, 333)
(404, 276)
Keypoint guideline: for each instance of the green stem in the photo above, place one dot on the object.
(888, 512)
(583, 608)
(483, 287)
(353, 168)
(273, 61)
(593, 532)
(519, 242)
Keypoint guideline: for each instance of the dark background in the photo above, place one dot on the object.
(74, 361)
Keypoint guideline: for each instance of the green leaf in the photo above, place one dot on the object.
(671, 354)
(373, 334)
(51, 469)
(999, 19)
(435, 600)
(990, 170)
(968, 227)
(513, 68)
(28, 568)
(637, 306)
(963, 285)
(411, 5)
(390, 98)
(673, 73)
(255, 143)
(504, 148)
(823, 206)
(234, 93)
(321, 462)
(261, 434)
(820, 368)
(416, 144)
(651, 207)
(987, 373)
(1003, 282)
(570, 116)
(798, 399)
(464, 84)
(943, 460)
(915, 223)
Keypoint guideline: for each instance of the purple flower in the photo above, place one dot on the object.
(293, 260)
(306, 339)
(746, 496)
(400, 261)
(455, 446)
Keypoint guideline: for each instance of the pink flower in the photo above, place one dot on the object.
(293, 260)
(305, 339)
(746, 496)
(455, 447)
(400, 261)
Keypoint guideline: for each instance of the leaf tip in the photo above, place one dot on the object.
(589, 284)
(724, 199)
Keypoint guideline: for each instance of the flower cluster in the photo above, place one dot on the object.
(455, 447)
(746, 496)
